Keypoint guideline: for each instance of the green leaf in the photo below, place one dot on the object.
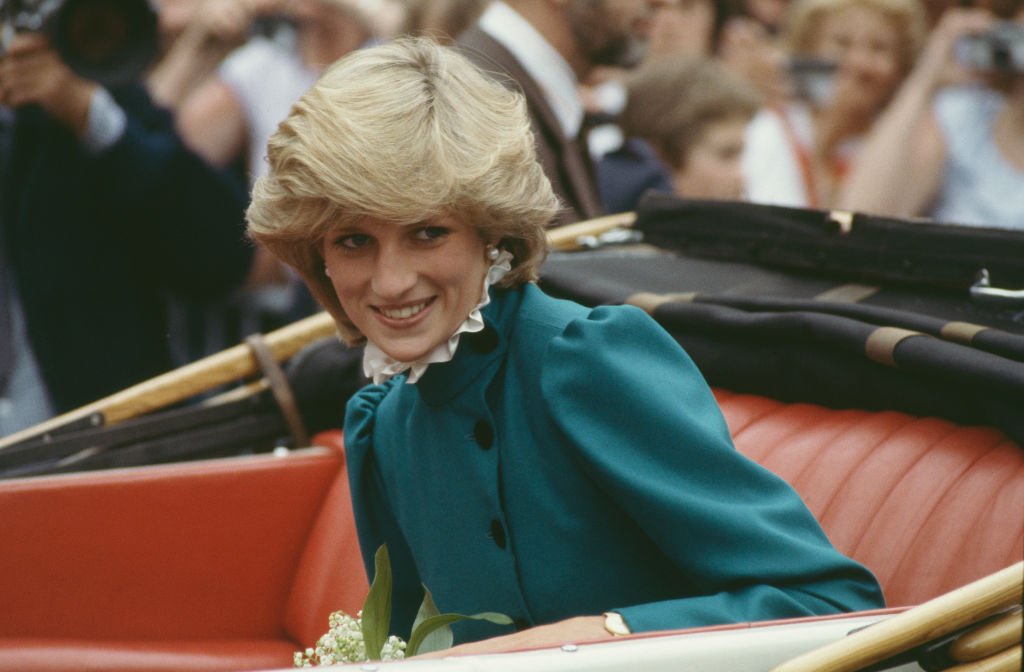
(441, 638)
(433, 623)
(377, 609)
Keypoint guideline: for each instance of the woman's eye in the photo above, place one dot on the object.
(353, 241)
(431, 233)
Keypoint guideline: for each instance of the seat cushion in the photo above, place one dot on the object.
(235, 655)
(927, 505)
(204, 550)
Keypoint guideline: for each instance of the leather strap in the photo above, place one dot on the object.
(881, 344)
(849, 293)
(649, 301)
(961, 332)
(280, 388)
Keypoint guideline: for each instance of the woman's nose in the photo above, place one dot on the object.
(393, 274)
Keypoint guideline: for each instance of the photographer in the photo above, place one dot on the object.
(104, 213)
(951, 144)
(799, 151)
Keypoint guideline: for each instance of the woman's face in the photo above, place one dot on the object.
(866, 46)
(711, 168)
(406, 288)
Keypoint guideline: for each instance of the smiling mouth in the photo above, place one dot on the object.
(405, 312)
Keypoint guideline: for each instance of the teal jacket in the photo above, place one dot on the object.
(571, 461)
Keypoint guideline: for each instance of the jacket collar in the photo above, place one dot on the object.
(479, 353)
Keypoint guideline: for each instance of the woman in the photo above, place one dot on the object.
(956, 128)
(516, 453)
(798, 153)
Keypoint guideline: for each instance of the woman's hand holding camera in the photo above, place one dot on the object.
(938, 65)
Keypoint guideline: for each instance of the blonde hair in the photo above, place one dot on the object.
(908, 17)
(671, 102)
(404, 132)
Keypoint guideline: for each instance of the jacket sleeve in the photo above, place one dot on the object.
(195, 212)
(648, 431)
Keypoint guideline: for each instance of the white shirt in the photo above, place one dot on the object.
(266, 78)
(979, 187)
(546, 66)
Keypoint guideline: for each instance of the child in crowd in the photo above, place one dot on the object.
(685, 119)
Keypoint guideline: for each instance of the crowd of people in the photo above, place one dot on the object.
(123, 248)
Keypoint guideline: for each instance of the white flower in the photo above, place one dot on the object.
(343, 643)
(394, 649)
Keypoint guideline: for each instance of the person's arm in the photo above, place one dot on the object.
(647, 431)
(194, 212)
(217, 27)
(213, 124)
(32, 73)
(651, 435)
(899, 169)
(210, 118)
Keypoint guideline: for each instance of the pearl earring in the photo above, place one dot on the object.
(492, 252)
(327, 271)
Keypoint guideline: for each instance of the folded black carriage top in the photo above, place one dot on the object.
(840, 309)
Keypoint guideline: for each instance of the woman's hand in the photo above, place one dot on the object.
(937, 66)
(572, 630)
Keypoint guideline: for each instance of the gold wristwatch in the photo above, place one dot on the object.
(614, 624)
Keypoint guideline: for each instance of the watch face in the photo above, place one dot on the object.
(614, 623)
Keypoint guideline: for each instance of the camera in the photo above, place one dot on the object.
(812, 78)
(999, 50)
(108, 41)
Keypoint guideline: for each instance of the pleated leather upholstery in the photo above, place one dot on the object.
(927, 505)
(231, 565)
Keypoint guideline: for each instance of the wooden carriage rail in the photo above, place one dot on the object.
(230, 365)
(567, 237)
(925, 622)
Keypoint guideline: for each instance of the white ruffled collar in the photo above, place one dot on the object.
(380, 367)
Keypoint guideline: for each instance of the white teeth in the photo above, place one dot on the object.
(403, 313)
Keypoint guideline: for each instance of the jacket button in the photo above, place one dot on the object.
(484, 341)
(483, 434)
(498, 533)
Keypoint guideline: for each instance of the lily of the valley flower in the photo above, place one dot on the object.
(365, 637)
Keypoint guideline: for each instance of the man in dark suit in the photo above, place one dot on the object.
(545, 48)
(104, 213)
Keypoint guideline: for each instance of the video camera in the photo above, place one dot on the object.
(999, 50)
(108, 41)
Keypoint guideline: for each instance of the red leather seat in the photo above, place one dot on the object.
(235, 564)
(927, 505)
(216, 565)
